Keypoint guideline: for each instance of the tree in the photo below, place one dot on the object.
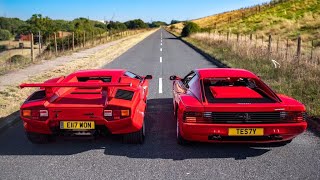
(136, 24)
(11, 24)
(155, 24)
(4, 34)
(189, 28)
(175, 21)
(116, 25)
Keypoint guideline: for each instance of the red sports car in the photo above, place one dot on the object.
(233, 105)
(90, 102)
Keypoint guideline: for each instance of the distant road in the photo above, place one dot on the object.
(160, 157)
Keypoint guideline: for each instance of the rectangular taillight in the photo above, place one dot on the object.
(116, 114)
(293, 116)
(35, 114)
(192, 117)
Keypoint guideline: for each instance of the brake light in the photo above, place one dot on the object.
(293, 116)
(35, 114)
(116, 113)
(192, 117)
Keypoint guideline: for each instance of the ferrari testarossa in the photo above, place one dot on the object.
(90, 102)
(233, 105)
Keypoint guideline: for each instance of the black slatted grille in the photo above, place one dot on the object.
(124, 94)
(240, 117)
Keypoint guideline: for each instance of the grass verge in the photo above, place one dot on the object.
(12, 97)
(298, 80)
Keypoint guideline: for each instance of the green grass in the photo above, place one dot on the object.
(293, 79)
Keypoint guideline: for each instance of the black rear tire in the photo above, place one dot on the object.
(180, 139)
(37, 138)
(136, 137)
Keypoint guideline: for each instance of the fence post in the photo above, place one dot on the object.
(68, 42)
(227, 36)
(278, 44)
(72, 41)
(299, 48)
(84, 39)
(269, 44)
(238, 37)
(39, 38)
(62, 44)
(250, 38)
(31, 47)
(311, 53)
(55, 43)
(287, 49)
(92, 38)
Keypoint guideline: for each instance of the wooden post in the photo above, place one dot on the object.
(299, 48)
(311, 53)
(250, 38)
(49, 45)
(270, 44)
(39, 38)
(72, 41)
(238, 37)
(287, 49)
(55, 43)
(92, 38)
(228, 36)
(84, 39)
(278, 44)
(100, 37)
(31, 47)
(68, 42)
(62, 44)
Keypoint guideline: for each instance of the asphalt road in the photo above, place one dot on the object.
(159, 157)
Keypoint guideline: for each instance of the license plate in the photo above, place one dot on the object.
(77, 125)
(246, 132)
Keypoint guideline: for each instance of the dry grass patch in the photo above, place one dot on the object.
(12, 97)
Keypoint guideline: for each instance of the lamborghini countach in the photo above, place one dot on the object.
(87, 103)
(233, 105)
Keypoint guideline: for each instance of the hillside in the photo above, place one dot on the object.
(287, 18)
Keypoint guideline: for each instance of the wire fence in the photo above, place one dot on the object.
(272, 47)
(32, 48)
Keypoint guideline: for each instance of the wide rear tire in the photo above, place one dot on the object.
(36, 138)
(180, 139)
(136, 137)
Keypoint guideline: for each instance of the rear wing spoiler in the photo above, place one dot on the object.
(49, 86)
(75, 84)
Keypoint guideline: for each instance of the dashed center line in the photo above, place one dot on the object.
(160, 59)
(160, 85)
(160, 49)
(160, 44)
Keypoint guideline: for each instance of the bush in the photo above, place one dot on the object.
(189, 28)
(4, 34)
(18, 59)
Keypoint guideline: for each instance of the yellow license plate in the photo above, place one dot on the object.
(246, 132)
(77, 125)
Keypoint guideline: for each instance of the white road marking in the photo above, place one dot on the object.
(160, 49)
(160, 85)
(161, 59)
(160, 44)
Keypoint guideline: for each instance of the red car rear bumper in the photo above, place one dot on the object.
(123, 126)
(219, 132)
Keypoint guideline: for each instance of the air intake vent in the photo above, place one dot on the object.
(124, 94)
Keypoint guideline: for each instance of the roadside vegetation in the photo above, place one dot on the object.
(57, 37)
(251, 38)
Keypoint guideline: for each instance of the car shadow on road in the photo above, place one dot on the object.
(160, 142)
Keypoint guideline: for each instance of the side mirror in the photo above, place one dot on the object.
(173, 77)
(148, 77)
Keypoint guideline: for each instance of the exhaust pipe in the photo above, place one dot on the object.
(276, 137)
(215, 137)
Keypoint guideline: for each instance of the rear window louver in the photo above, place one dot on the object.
(124, 94)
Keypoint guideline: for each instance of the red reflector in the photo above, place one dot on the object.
(43, 113)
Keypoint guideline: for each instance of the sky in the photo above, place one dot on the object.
(121, 10)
